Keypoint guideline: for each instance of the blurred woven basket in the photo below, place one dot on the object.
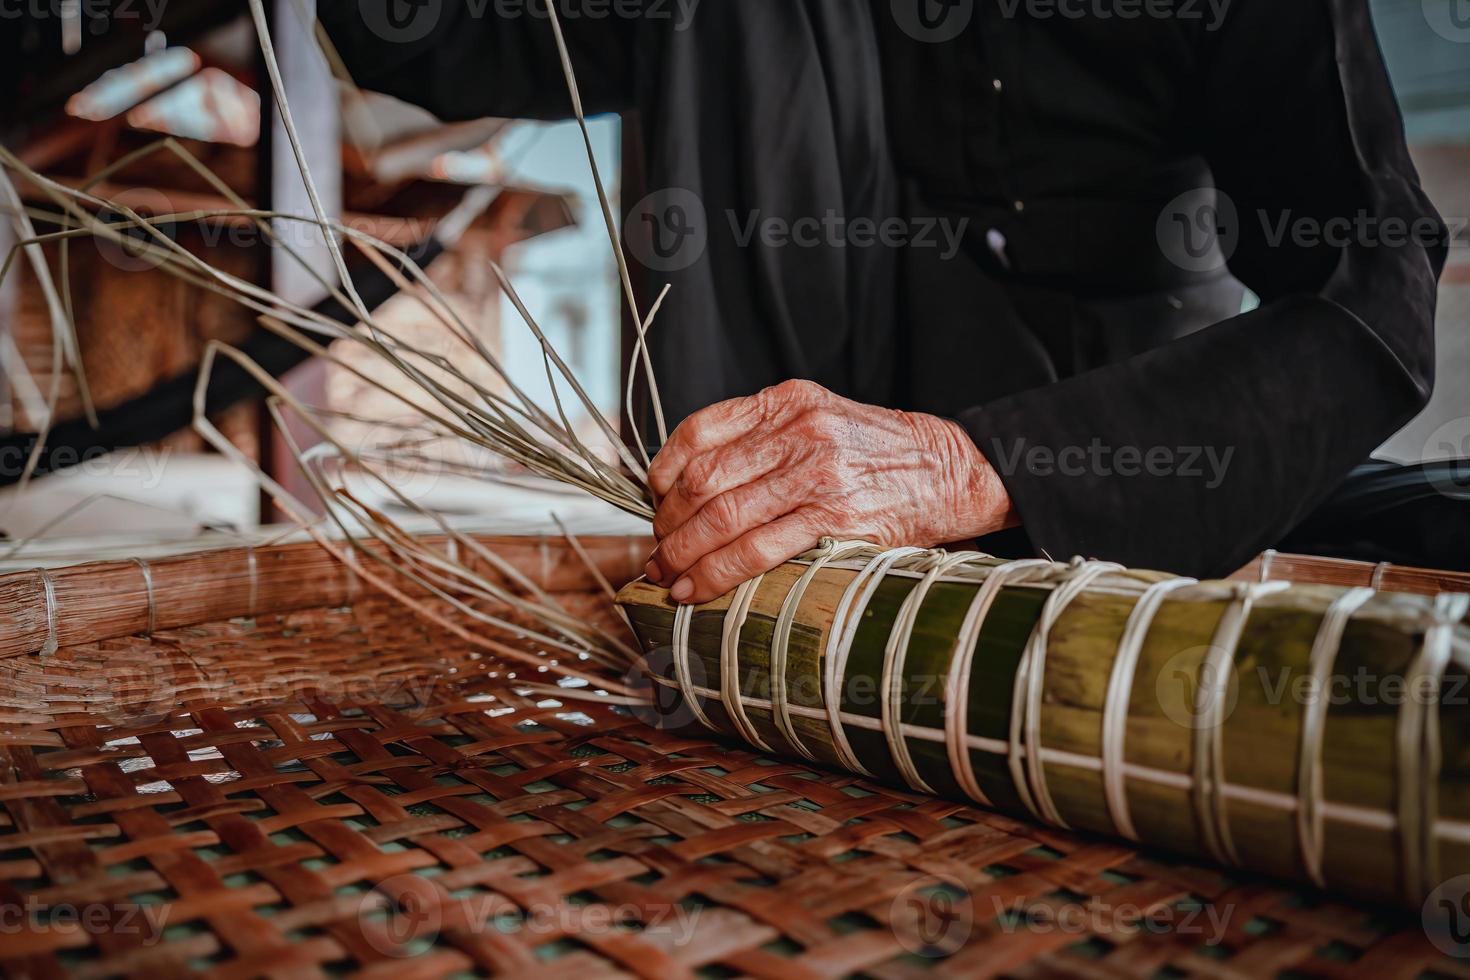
(245, 762)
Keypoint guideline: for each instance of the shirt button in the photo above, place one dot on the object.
(996, 84)
(997, 244)
(1019, 205)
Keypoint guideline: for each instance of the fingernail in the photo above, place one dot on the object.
(653, 572)
(682, 590)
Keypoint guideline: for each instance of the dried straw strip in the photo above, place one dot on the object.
(63, 328)
(957, 683)
(895, 657)
(828, 550)
(1325, 648)
(1418, 750)
(845, 622)
(1115, 701)
(1026, 700)
(730, 677)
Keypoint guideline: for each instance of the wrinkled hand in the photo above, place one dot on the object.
(747, 484)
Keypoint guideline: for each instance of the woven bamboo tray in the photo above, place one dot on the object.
(246, 763)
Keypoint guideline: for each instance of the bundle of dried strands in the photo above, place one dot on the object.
(517, 429)
(1308, 732)
(450, 402)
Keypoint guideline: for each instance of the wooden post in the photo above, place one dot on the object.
(312, 93)
(9, 312)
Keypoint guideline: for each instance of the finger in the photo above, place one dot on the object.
(754, 553)
(723, 520)
(735, 464)
(706, 429)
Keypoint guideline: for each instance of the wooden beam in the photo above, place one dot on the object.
(311, 92)
(516, 214)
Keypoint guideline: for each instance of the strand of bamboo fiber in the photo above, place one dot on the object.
(1304, 731)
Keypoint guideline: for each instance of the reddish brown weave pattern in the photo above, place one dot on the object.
(336, 790)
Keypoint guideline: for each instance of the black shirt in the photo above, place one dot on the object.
(1098, 167)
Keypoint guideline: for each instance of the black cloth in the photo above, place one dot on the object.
(1094, 358)
(1416, 515)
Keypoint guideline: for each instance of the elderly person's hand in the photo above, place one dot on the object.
(744, 485)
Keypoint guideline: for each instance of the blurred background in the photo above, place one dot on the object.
(92, 81)
(99, 81)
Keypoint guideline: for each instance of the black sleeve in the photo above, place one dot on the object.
(464, 59)
(1299, 124)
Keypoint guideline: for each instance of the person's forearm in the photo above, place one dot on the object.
(1194, 457)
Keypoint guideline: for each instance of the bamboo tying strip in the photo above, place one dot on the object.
(1045, 709)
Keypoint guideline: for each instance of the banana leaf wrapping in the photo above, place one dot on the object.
(1308, 732)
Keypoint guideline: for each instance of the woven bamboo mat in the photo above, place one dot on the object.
(336, 789)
